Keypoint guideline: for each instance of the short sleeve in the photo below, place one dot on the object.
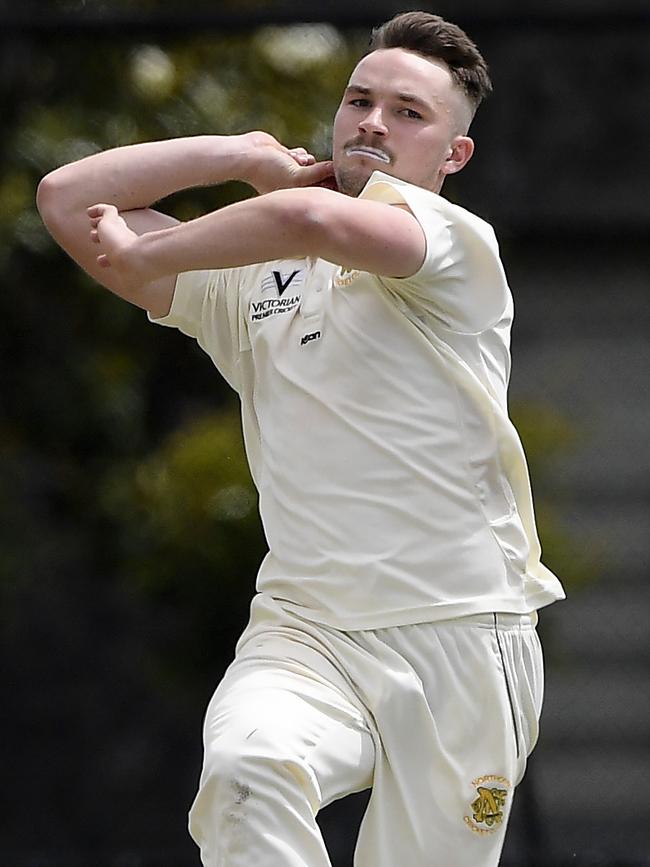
(206, 306)
(461, 281)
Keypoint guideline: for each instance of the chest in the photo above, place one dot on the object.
(298, 308)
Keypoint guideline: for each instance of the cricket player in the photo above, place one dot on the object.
(364, 322)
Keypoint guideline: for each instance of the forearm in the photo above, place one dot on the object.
(245, 233)
(136, 176)
(285, 224)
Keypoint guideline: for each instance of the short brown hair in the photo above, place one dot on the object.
(432, 36)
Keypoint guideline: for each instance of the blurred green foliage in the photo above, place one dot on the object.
(129, 534)
(548, 437)
(90, 391)
(121, 452)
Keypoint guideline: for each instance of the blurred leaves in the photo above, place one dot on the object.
(548, 436)
(189, 539)
(121, 462)
(126, 432)
(128, 521)
(545, 431)
(189, 509)
(130, 535)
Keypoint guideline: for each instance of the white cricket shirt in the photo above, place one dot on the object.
(393, 487)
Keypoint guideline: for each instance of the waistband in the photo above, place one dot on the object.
(488, 620)
(500, 619)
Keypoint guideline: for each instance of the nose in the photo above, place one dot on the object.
(373, 122)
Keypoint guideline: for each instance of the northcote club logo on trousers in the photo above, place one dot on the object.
(489, 806)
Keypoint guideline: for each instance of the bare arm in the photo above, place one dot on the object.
(132, 178)
(354, 233)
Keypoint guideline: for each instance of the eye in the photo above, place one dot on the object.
(411, 113)
(360, 102)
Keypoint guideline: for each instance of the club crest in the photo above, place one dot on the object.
(490, 805)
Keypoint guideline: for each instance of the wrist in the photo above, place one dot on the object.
(250, 155)
(241, 158)
(208, 159)
(217, 158)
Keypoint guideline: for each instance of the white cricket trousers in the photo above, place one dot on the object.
(438, 718)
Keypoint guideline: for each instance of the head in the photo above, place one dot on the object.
(409, 104)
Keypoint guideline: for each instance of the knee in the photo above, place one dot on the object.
(245, 790)
(256, 768)
(225, 808)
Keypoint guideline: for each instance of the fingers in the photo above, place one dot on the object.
(96, 213)
(100, 210)
(302, 156)
(316, 174)
(329, 183)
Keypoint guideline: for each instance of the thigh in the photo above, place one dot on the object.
(448, 714)
(523, 664)
(482, 678)
(279, 701)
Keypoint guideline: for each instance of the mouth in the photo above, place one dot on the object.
(372, 153)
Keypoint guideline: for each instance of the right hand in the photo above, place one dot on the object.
(269, 165)
(117, 247)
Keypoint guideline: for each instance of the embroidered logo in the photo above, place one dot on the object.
(489, 806)
(345, 276)
(272, 306)
(280, 282)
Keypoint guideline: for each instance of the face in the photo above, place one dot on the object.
(402, 114)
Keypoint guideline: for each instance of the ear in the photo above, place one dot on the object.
(460, 153)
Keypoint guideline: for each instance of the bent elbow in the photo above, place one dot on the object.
(43, 194)
(49, 199)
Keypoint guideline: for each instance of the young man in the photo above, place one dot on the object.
(392, 641)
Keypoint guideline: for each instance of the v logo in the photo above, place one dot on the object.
(278, 281)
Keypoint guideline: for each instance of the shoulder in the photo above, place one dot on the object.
(462, 280)
(394, 191)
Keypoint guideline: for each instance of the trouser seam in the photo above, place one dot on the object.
(507, 682)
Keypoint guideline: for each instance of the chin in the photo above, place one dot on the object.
(352, 181)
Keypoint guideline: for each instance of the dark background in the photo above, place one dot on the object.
(129, 538)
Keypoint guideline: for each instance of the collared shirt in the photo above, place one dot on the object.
(393, 486)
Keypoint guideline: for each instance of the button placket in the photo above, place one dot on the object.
(311, 306)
